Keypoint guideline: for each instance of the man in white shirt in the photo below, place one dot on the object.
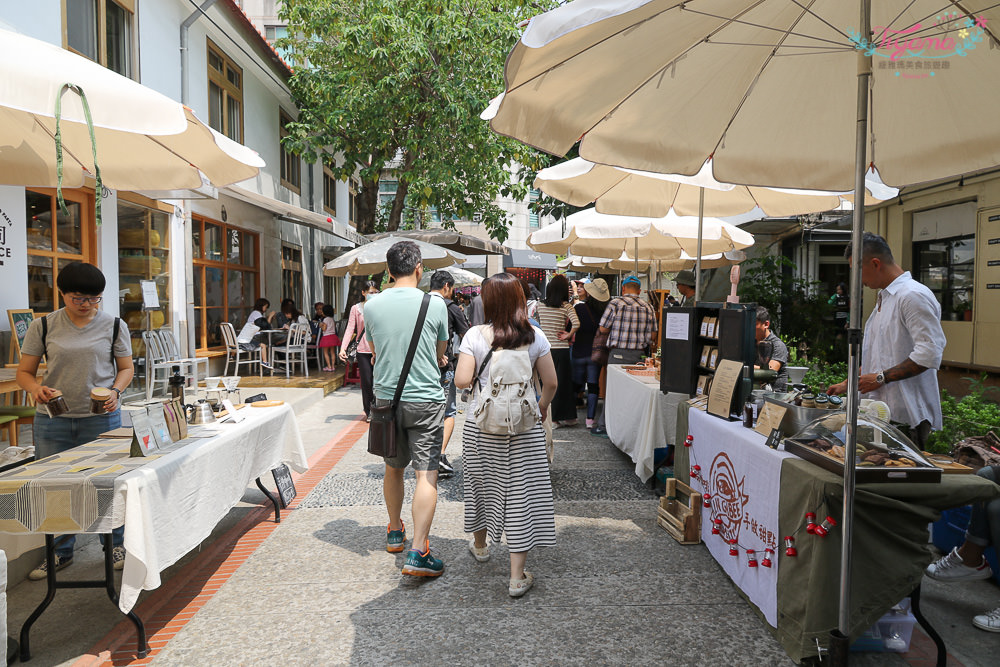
(903, 343)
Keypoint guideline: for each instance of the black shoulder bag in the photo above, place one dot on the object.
(382, 429)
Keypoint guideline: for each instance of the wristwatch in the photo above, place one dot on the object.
(117, 391)
(881, 378)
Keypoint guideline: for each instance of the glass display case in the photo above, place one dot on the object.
(882, 454)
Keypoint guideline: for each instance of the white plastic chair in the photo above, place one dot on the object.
(173, 356)
(156, 361)
(294, 351)
(234, 351)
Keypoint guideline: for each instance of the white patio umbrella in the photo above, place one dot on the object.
(143, 140)
(589, 233)
(370, 258)
(773, 91)
(626, 263)
(462, 278)
(619, 191)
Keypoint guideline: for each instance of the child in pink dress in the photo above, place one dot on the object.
(329, 342)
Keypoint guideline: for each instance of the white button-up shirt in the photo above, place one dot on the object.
(906, 324)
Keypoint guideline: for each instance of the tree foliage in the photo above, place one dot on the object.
(399, 85)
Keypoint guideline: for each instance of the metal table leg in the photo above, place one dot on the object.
(272, 498)
(108, 583)
(942, 652)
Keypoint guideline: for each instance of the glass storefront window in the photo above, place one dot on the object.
(54, 240)
(946, 266)
(226, 278)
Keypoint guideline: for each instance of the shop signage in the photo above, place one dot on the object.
(993, 241)
(993, 262)
(994, 218)
(13, 251)
(286, 487)
(992, 285)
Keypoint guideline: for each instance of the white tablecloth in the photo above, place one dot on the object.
(173, 504)
(743, 476)
(638, 417)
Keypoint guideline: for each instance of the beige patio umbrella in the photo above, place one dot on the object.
(626, 263)
(776, 93)
(619, 191)
(589, 233)
(370, 258)
(463, 278)
(143, 140)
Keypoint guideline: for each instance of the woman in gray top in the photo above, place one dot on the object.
(84, 348)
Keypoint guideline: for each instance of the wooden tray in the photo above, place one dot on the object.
(680, 512)
(948, 465)
(267, 404)
(917, 473)
(223, 412)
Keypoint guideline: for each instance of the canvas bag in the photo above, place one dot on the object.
(507, 405)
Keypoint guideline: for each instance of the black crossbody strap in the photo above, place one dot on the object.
(414, 339)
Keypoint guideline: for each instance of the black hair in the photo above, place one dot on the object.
(81, 278)
(762, 315)
(872, 245)
(441, 279)
(260, 304)
(557, 291)
(370, 284)
(327, 310)
(402, 259)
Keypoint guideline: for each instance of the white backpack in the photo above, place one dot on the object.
(507, 405)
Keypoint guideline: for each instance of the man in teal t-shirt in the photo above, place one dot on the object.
(389, 321)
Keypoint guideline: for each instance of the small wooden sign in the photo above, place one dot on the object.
(286, 487)
(720, 396)
(770, 418)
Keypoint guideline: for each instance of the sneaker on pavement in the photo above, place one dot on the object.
(481, 554)
(395, 539)
(519, 587)
(42, 570)
(990, 621)
(445, 469)
(118, 558)
(599, 431)
(422, 564)
(951, 568)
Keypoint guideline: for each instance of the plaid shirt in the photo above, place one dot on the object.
(632, 322)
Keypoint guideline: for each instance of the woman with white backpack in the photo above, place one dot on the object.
(507, 487)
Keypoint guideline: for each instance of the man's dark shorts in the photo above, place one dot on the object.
(419, 432)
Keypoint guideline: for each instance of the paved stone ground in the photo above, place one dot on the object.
(321, 590)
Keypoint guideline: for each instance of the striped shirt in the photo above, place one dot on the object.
(631, 321)
(553, 320)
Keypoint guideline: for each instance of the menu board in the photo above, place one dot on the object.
(720, 396)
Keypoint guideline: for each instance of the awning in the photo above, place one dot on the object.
(296, 214)
(450, 239)
(529, 259)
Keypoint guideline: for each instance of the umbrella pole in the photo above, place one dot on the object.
(635, 254)
(840, 638)
(697, 260)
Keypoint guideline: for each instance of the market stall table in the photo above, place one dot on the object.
(169, 501)
(890, 546)
(638, 417)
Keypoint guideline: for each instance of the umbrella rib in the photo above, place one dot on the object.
(785, 33)
(986, 29)
(756, 78)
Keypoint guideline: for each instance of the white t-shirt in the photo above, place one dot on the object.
(475, 345)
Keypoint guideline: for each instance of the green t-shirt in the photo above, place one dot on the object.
(389, 320)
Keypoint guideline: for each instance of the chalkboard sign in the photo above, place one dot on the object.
(19, 322)
(286, 487)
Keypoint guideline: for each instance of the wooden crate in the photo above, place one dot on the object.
(680, 512)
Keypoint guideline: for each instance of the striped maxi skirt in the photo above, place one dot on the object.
(507, 487)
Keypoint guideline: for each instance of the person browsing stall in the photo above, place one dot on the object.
(772, 353)
(443, 286)
(84, 348)
(364, 358)
(685, 281)
(903, 343)
(630, 323)
(390, 318)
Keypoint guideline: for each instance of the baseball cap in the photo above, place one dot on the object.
(685, 278)
(631, 280)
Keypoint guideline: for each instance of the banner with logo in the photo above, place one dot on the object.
(13, 252)
(742, 476)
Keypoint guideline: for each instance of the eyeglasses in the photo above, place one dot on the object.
(80, 300)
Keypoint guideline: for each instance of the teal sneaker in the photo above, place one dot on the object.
(395, 539)
(422, 564)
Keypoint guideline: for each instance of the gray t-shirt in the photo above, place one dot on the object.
(77, 359)
(773, 349)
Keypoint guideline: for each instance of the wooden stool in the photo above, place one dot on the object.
(10, 423)
(352, 374)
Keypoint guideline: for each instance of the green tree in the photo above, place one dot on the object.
(396, 87)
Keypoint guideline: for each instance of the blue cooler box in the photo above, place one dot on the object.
(949, 532)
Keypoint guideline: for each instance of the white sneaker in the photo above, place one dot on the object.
(989, 621)
(480, 554)
(519, 587)
(951, 568)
